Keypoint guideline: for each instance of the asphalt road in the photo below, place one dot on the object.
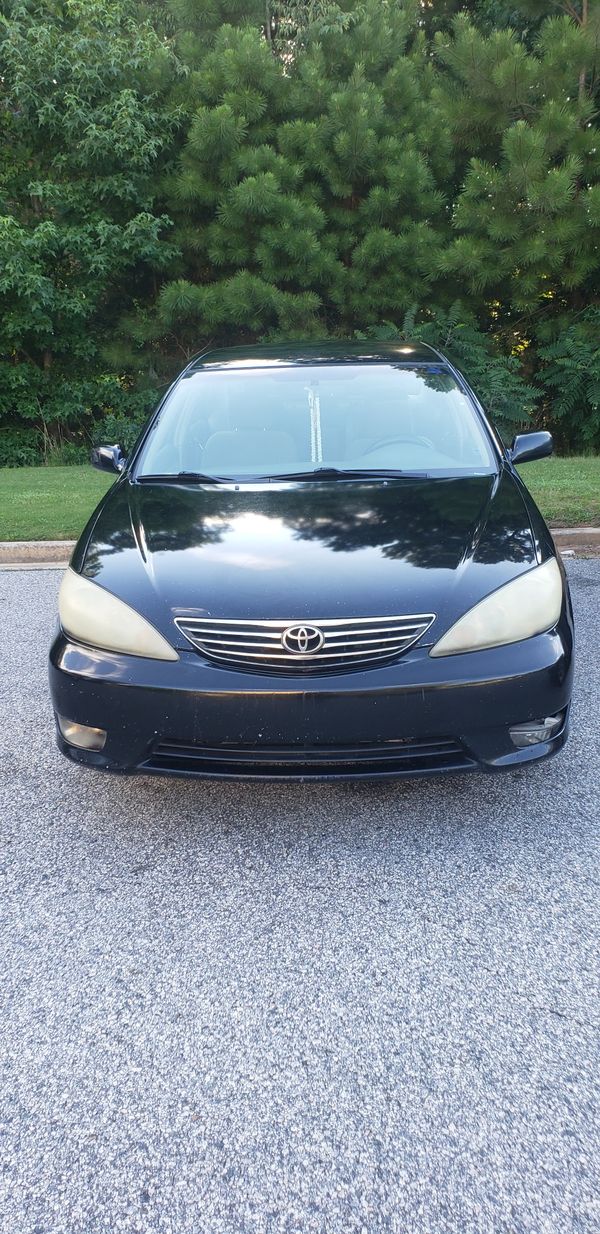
(295, 1009)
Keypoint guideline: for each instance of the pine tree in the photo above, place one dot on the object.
(175, 174)
(307, 200)
(527, 218)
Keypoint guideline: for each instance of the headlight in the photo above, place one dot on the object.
(92, 615)
(528, 605)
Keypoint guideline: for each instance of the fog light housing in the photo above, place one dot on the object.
(535, 731)
(82, 735)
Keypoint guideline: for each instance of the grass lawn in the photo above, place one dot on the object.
(48, 503)
(54, 503)
(567, 490)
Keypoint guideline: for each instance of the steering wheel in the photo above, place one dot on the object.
(399, 441)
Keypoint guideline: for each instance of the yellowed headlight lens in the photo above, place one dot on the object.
(92, 615)
(528, 605)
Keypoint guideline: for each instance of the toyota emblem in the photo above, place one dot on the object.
(303, 640)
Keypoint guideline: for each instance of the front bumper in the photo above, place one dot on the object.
(416, 716)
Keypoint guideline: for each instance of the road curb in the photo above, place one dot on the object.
(55, 554)
(577, 541)
(576, 533)
(25, 554)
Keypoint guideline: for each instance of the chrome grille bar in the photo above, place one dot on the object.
(316, 621)
(344, 642)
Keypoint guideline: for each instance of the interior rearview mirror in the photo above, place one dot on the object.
(108, 458)
(527, 446)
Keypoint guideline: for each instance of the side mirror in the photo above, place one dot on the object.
(527, 446)
(108, 458)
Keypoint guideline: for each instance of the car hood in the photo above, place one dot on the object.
(309, 550)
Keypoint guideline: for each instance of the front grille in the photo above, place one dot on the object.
(346, 643)
(401, 757)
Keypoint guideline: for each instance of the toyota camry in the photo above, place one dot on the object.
(316, 562)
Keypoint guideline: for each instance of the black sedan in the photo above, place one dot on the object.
(316, 562)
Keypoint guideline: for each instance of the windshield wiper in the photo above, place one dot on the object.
(181, 477)
(317, 473)
(350, 473)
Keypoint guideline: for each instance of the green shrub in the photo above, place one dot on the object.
(20, 447)
(570, 375)
(68, 454)
(118, 429)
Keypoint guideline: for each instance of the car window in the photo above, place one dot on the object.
(284, 419)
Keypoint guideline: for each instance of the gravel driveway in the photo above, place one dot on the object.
(291, 1009)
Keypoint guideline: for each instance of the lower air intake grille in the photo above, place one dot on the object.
(303, 762)
(304, 646)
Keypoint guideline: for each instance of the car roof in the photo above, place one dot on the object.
(367, 351)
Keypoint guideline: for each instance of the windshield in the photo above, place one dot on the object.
(282, 421)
